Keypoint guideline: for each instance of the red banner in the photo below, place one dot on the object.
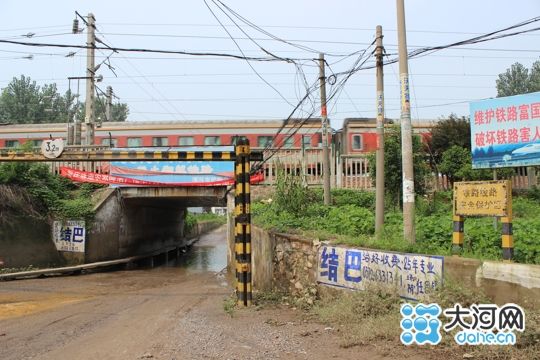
(90, 177)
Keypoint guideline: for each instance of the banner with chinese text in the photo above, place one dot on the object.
(69, 235)
(505, 132)
(90, 177)
(412, 276)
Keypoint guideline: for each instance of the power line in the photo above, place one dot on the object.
(341, 42)
(346, 28)
(146, 79)
(240, 49)
(141, 50)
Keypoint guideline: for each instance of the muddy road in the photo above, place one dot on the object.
(170, 312)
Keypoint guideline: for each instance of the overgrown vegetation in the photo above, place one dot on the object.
(373, 317)
(392, 165)
(192, 219)
(361, 316)
(49, 194)
(350, 220)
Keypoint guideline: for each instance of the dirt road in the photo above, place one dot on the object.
(173, 312)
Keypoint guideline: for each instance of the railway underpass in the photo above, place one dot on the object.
(135, 220)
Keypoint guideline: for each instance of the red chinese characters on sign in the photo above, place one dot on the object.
(535, 110)
(510, 113)
(524, 112)
(510, 136)
(500, 114)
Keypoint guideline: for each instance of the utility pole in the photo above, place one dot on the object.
(89, 118)
(406, 130)
(108, 104)
(379, 181)
(324, 120)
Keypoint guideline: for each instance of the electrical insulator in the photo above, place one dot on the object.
(75, 29)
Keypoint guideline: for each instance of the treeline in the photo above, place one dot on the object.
(22, 101)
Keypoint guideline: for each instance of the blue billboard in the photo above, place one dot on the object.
(505, 132)
(195, 173)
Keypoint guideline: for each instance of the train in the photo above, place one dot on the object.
(356, 137)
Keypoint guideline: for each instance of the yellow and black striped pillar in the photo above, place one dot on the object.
(242, 223)
(507, 234)
(457, 235)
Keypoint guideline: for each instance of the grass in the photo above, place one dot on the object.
(229, 305)
(350, 221)
(361, 316)
(372, 317)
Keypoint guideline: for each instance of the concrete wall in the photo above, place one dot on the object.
(126, 227)
(27, 241)
(289, 263)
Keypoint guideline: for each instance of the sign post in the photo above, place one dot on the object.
(483, 198)
(242, 223)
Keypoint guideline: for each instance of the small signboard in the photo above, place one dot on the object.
(69, 235)
(52, 149)
(505, 132)
(482, 198)
(412, 276)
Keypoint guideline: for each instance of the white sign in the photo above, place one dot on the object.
(411, 275)
(52, 149)
(69, 235)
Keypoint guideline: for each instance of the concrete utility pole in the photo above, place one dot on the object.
(406, 131)
(379, 181)
(89, 118)
(324, 120)
(108, 104)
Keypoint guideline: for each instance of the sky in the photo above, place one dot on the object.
(180, 87)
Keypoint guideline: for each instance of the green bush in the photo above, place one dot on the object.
(349, 220)
(52, 193)
(365, 199)
(393, 168)
(352, 225)
(291, 194)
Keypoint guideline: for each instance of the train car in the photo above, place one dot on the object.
(261, 133)
(359, 135)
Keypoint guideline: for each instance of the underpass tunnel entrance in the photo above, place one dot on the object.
(136, 221)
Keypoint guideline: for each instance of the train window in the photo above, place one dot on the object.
(186, 141)
(306, 140)
(12, 143)
(289, 142)
(357, 142)
(36, 143)
(134, 142)
(160, 141)
(212, 140)
(234, 139)
(109, 142)
(263, 141)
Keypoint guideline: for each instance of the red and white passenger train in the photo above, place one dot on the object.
(358, 135)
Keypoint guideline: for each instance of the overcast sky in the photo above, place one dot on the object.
(176, 87)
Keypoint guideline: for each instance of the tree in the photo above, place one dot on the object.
(456, 164)
(519, 80)
(24, 102)
(119, 111)
(449, 132)
(393, 168)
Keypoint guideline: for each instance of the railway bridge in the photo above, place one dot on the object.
(142, 215)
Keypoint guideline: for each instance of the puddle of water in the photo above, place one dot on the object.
(207, 254)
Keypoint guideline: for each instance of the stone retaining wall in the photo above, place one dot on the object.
(289, 263)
